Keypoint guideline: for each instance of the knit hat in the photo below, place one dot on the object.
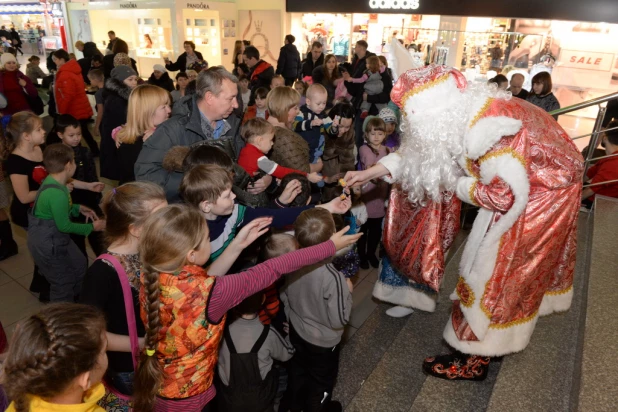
(159, 68)
(7, 57)
(367, 121)
(121, 73)
(388, 115)
(122, 59)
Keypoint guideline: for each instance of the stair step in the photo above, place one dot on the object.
(599, 391)
(543, 377)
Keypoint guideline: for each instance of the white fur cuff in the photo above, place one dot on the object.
(393, 163)
(465, 186)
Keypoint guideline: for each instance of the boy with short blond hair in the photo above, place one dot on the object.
(97, 79)
(259, 135)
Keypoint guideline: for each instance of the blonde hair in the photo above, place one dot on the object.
(314, 90)
(278, 77)
(79, 43)
(143, 103)
(373, 64)
(168, 235)
(280, 100)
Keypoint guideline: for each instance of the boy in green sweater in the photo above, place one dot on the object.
(49, 227)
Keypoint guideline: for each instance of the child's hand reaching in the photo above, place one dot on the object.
(291, 190)
(333, 178)
(341, 240)
(96, 186)
(316, 122)
(337, 206)
(314, 177)
(251, 231)
(89, 213)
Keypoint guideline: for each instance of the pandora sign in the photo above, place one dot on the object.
(394, 4)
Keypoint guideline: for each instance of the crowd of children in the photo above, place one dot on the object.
(162, 323)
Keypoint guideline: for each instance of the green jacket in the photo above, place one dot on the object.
(55, 204)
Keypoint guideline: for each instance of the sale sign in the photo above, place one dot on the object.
(586, 60)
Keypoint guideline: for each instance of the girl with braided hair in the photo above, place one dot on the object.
(57, 357)
(183, 307)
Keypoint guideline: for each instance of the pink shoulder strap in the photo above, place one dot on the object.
(128, 304)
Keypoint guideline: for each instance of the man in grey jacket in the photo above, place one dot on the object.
(206, 118)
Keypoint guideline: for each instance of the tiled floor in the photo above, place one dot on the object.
(16, 301)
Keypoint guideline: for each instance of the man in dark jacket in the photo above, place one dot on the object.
(261, 72)
(89, 49)
(313, 60)
(288, 64)
(357, 69)
(205, 118)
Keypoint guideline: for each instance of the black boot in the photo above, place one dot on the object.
(457, 366)
(8, 246)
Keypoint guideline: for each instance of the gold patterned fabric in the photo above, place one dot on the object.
(536, 255)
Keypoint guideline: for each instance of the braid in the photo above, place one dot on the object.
(149, 374)
(51, 349)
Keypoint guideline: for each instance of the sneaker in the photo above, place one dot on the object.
(457, 366)
(364, 264)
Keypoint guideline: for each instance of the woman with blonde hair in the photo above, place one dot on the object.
(149, 106)
(289, 149)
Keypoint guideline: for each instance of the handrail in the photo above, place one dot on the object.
(585, 104)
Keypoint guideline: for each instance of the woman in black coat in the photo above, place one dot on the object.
(161, 78)
(115, 102)
(185, 59)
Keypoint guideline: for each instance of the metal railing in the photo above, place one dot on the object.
(596, 130)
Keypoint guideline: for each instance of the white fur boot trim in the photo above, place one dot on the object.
(404, 296)
(497, 341)
(399, 311)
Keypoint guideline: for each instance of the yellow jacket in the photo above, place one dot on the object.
(89, 405)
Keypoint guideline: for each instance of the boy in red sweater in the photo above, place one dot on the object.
(259, 135)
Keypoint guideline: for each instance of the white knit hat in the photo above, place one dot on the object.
(159, 68)
(7, 57)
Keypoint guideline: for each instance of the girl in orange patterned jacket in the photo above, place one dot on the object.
(183, 307)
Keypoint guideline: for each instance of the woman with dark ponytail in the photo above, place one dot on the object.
(57, 360)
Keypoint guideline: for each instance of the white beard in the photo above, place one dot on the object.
(432, 141)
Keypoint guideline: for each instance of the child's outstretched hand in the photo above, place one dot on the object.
(338, 206)
(96, 186)
(252, 231)
(290, 191)
(341, 240)
(89, 213)
(314, 177)
(316, 122)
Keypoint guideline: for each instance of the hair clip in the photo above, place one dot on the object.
(150, 352)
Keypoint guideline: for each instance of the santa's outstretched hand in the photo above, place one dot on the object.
(358, 178)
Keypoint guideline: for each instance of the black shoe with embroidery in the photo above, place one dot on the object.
(457, 366)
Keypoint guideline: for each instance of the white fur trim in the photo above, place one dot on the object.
(404, 296)
(487, 132)
(393, 163)
(464, 184)
(477, 269)
(434, 99)
(497, 342)
(556, 303)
